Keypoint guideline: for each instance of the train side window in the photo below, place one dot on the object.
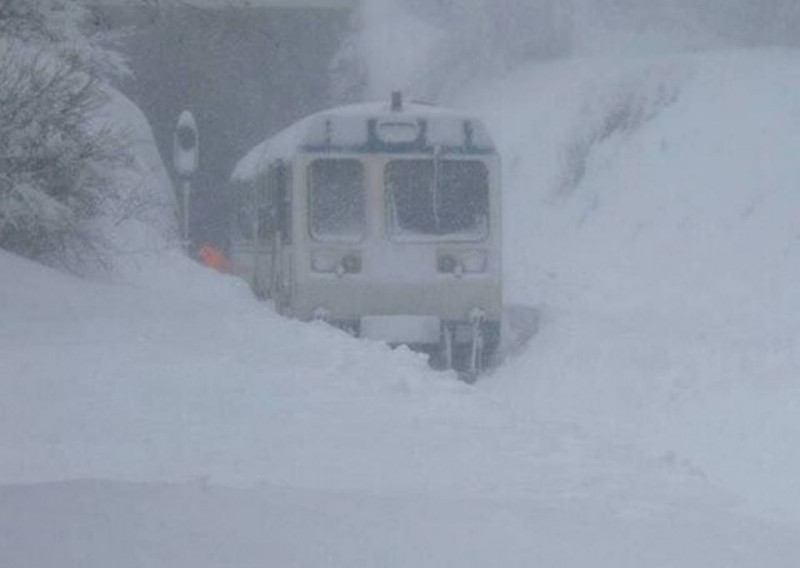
(336, 199)
(245, 218)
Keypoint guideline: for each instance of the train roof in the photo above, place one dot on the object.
(374, 128)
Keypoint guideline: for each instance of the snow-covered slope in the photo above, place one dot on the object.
(653, 421)
(651, 209)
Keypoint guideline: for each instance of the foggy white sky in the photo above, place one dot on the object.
(430, 47)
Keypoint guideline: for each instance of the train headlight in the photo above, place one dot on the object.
(335, 262)
(474, 261)
(325, 260)
(352, 263)
(462, 262)
(398, 132)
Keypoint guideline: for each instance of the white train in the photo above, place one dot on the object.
(382, 219)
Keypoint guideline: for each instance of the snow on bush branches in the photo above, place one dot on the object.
(56, 167)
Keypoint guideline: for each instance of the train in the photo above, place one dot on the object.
(382, 219)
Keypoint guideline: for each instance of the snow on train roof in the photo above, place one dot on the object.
(347, 128)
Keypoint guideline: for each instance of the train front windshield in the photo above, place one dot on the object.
(425, 199)
(437, 198)
(337, 199)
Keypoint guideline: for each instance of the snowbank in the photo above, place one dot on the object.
(656, 200)
(144, 219)
(223, 434)
(177, 373)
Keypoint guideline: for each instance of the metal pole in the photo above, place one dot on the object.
(186, 191)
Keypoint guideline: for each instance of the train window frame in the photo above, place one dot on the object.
(311, 192)
(282, 207)
(395, 233)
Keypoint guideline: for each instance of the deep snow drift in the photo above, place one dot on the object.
(657, 203)
(653, 421)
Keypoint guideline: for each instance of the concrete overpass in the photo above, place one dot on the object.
(222, 4)
(244, 68)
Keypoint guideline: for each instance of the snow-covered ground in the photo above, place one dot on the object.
(169, 419)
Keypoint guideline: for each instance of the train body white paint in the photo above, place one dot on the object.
(383, 219)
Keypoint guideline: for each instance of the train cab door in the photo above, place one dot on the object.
(264, 240)
(244, 228)
(279, 235)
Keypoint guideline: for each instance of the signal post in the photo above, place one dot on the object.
(185, 155)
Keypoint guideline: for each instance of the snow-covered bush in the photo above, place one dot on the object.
(57, 167)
